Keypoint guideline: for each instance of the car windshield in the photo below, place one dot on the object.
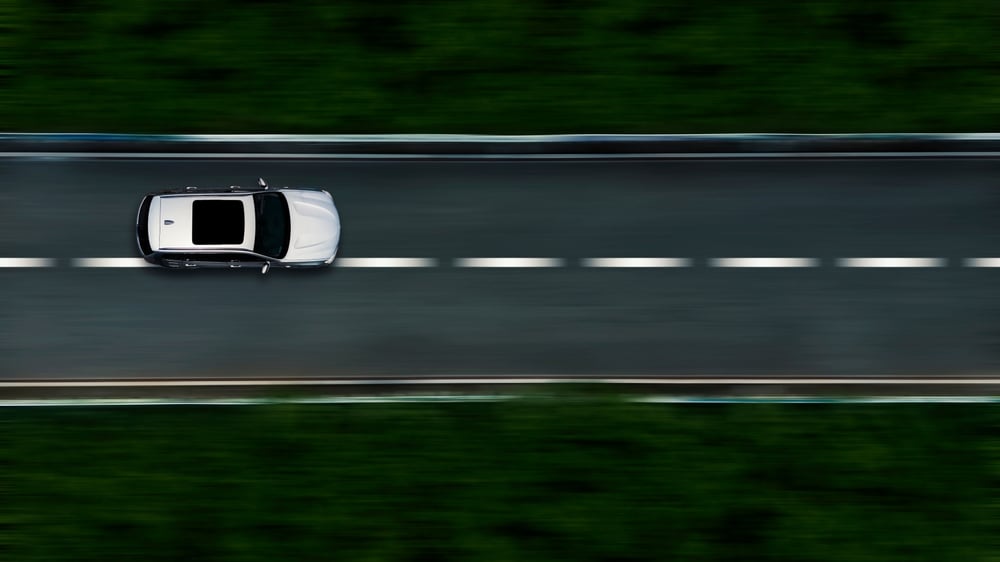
(273, 224)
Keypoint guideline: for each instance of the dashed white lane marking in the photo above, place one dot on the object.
(509, 262)
(111, 262)
(982, 262)
(763, 262)
(636, 262)
(605, 262)
(892, 262)
(385, 262)
(27, 262)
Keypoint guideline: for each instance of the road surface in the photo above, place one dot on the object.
(698, 317)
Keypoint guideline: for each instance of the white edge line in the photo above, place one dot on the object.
(27, 262)
(513, 157)
(763, 262)
(509, 262)
(635, 262)
(528, 380)
(249, 401)
(102, 402)
(463, 137)
(892, 262)
(818, 400)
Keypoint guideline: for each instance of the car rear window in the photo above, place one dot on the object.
(217, 222)
(142, 226)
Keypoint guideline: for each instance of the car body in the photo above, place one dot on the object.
(238, 228)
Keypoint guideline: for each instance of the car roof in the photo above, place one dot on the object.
(204, 221)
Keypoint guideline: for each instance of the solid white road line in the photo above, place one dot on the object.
(982, 262)
(818, 400)
(92, 402)
(636, 262)
(504, 380)
(763, 262)
(60, 402)
(385, 262)
(499, 157)
(111, 262)
(892, 262)
(27, 262)
(509, 262)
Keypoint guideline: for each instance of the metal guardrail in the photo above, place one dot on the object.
(508, 145)
(705, 387)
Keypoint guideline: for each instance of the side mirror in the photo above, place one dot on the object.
(262, 183)
(265, 267)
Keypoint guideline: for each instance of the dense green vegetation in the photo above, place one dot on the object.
(499, 66)
(575, 480)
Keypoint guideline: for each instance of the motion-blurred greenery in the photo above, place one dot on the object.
(580, 479)
(499, 66)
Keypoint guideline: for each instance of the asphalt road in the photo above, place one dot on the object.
(700, 320)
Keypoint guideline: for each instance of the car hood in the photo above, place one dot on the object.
(315, 228)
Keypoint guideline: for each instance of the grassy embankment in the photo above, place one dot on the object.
(577, 480)
(499, 66)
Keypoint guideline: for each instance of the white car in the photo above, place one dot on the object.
(236, 228)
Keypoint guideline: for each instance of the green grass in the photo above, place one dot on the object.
(578, 480)
(499, 66)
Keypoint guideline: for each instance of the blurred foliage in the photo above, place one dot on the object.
(499, 66)
(582, 479)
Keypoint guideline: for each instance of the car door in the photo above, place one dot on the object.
(240, 261)
(211, 260)
(179, 261)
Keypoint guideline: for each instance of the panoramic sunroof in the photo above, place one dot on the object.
(217, 222)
